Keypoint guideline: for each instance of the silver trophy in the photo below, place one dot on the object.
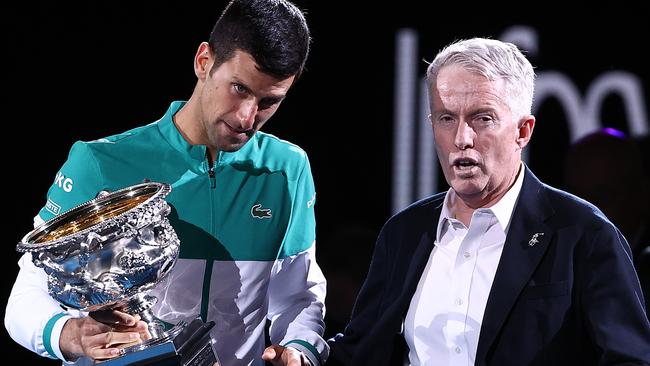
(107, 254)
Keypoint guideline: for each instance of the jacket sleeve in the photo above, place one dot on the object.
(297, 285)
(33, 318)
(297, 305)
(612, 302)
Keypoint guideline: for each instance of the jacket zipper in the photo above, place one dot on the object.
(213, 180)
(209, 263)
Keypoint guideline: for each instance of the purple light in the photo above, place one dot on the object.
(613, 132)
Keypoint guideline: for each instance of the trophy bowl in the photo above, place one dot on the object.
(107, 254)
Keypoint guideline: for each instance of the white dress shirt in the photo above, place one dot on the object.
(444, 319)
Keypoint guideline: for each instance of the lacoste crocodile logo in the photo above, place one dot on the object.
(260, 213)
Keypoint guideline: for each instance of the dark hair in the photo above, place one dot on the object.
(274, 32)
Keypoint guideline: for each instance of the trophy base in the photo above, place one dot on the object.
(191, 347)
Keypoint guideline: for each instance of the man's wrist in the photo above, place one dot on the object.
(308, 350)
(68, 342)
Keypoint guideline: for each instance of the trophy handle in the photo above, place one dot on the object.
(44, 260)
(84, 248)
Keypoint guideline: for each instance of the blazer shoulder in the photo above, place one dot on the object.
(423, 209)
(572, 209)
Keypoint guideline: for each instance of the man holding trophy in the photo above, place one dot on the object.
(240, 204)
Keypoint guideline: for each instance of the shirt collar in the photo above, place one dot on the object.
(502, 210)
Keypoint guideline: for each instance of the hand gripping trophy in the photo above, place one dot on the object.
(107, 254)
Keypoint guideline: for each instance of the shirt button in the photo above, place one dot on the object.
(458, 349)
(466, 254)
(459, 301)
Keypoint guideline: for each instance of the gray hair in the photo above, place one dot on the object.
(494, 60)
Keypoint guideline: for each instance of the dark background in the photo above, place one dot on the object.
(81, 72)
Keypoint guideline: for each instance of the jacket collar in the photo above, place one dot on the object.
(197, 153)
(173, 136)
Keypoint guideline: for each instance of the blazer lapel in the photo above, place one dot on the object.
(420, 258)
(526, 243)
(420, 254)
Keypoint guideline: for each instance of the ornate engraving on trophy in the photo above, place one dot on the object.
(107, 254)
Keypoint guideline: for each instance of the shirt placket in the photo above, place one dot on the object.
(459, 319)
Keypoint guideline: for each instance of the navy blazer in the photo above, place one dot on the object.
(572, 298)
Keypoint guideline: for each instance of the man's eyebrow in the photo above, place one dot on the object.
(480, 110)
(442, 111)
(273, 99)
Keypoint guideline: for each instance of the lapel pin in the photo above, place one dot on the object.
(533, 240)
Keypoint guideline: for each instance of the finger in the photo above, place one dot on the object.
(94, 327)
(114, 317)
(271, 354)
(142, 328)
(123, 318)
(104, 353)
(114, 338)
(139, 326)
(120, 314)
(145, 335)
(106, 317)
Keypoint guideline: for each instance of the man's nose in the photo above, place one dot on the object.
(246, 113)
(464, 136)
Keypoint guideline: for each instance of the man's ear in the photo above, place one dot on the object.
(525, 131)
(203, 61)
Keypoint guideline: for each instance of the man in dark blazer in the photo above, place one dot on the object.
(501, 269)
